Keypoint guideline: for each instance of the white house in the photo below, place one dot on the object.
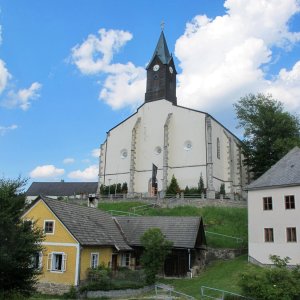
(177, 140)
(274, 212)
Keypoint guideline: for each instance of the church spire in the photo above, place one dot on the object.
(161, 74)
(161, 50)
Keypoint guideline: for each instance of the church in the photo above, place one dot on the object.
(162, 139)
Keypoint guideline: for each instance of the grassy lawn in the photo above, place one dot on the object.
(220, 275)
(229, 221)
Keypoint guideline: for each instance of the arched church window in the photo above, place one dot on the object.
(218, 148)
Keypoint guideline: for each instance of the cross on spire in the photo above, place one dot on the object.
(162, 25)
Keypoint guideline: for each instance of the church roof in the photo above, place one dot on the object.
(161, 50)
(61, 188)
(285, 172)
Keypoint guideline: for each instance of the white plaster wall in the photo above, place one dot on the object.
(115, 167)
(279, 219)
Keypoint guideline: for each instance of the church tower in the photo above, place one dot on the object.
(161, 74)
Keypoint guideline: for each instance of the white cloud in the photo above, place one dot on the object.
(95, 152)
(88, 174)
(68, 160)
(4, 76)
(223, 58)
(46, 171)
(22, 98)
(125, 83)
(4, 130)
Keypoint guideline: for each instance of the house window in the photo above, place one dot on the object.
(267, 202)
(269, 237)
(37, 260)
(218, 149)
(49, 227)
(94, 260)
(291, 235)
(125, 259)
(289, 202)
(57, 262)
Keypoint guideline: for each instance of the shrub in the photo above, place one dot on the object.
(272, 283)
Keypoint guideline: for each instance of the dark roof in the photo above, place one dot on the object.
(61, 188)
(161, 51)
(182, 231)
(88, 225)
(285, 172)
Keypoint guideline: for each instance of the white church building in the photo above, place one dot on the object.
(162, 139)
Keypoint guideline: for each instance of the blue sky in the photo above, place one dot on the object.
(71, 70)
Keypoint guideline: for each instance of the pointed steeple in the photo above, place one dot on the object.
(161, 74)
(161, 51)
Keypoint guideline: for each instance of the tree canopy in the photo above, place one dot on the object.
(20, 242)
(269, 131)
(156, 248)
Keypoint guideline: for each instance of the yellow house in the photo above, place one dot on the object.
(76, 238)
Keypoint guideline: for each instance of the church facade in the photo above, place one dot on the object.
(162, 139)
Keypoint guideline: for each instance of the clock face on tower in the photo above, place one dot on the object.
(171, 70)
(155, 68)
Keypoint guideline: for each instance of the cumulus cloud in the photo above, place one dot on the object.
(4, 130)
(88, 174)
(46, 171)
(22, 98)
(68, 160)
(4, 76)
(125, 83)
(224, 58)
(95, 152)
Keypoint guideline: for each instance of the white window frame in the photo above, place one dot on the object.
(124, 259)
(49, 233)
(50, 262)
(40, 261)
(97, 261)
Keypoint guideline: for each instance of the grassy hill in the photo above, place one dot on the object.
(228, 221)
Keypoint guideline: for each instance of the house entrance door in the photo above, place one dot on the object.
(114, 261)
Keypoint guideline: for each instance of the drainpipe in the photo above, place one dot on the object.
(189, 251)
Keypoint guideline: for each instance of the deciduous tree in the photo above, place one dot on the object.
(269, 131)
(156, 248)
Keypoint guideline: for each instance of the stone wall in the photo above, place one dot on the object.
(52, 288)
(125, 294)
(213, 254)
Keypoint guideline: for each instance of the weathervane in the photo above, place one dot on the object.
(162, 25)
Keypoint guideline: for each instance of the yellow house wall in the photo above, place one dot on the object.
(60, 241)
(85, 263)
(39, 213)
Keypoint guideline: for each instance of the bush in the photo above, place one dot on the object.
(72, 294)
(272, 283)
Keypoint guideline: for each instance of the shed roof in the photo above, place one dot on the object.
(61, 188)
(182, 231)
(88, 225)
(285, 172)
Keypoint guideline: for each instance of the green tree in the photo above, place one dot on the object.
(269, 131)
(272, 283)
(222, 189)
(124, 188)
(173, 188)
(201, 188)
(20, 242)
(156, 248)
